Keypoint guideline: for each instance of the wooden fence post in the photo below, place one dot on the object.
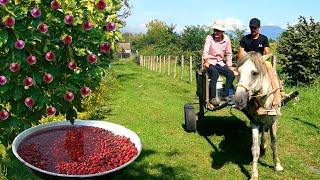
(182, 64)
(190, 69)
(169, 61)
(175, 67)
(160, 64)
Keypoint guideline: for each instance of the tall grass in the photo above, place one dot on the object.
(152, 105)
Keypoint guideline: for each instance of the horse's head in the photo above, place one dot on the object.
(252, 71)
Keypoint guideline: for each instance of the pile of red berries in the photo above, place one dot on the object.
(76, 150)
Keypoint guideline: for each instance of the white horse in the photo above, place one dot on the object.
(255, 93)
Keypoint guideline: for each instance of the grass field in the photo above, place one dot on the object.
(152, 105)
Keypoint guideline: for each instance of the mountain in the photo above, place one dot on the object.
(272, 32)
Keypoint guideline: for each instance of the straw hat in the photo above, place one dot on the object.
(218, 25)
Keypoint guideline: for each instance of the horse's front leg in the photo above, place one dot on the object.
(255, 151)
(274, 146)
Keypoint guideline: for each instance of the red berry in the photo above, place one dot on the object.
(69, 96)
(3, 80)
(19, 44)
(29, 102)
(4, 115)
(31, 59)
(14, 67)
(67, 40)
(72, 65)
(101, 4)
(68, 19)
(50, 56)
(9, 21)
(28, 81)
(87, 25)
(4, 2)
(92, 58)
(51, 111)
(105, 47)
(47, 78)
(111, 26)
(85, 91)
(36, 12)
(43, 28)
(55, 5)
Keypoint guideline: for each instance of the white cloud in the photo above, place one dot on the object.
(140, 28)
(233, 23)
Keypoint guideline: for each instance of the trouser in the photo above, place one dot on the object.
(214, 71)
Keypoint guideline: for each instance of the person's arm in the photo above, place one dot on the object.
(228, 53)
(205, 55)
(241, 52)
(266, 49)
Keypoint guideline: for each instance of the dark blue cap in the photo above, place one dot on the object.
(254, 22)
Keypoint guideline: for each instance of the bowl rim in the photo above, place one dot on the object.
(93, 123)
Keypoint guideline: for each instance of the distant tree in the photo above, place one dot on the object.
(235, 41)
(299, 52)
(193, 38)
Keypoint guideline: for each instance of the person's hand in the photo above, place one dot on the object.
(205, 63)
(234, 70)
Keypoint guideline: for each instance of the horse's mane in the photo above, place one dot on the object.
(257, 60)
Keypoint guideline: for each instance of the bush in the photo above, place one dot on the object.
(53, 54)
(299, 53)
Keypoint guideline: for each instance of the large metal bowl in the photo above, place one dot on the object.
(115, 128)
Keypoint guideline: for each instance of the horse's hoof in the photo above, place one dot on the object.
(254, 178)
(278, 168)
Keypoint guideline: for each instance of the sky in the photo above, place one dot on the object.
(235, 13)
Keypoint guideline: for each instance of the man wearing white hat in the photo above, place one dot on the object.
(217, 58)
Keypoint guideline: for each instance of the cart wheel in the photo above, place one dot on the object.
(190, 118)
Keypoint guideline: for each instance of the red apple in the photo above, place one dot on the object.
(111, 26)
(69, 96)
(43, 28)
(104, 47)
(4, 115)
(51, 111)
(29, 101)
(55, 5)
(9, 21)
(36, 12)
(68, 19)
(72, 65)
(4, 2)
(19, 44)
(28, 81)
(50, 56)
(14, 67)
(67, 40)
(101, 4)
(92, 58)
(85, 91)
(47, 78)
(3, 80)
(87, 25)
(31, 59)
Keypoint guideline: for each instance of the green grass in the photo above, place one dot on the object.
(152, 105)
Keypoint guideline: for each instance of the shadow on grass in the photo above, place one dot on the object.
(139, 169)
(305, 122)
(123, 77)
(236, 144)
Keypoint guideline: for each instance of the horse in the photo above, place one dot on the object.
(254, 93)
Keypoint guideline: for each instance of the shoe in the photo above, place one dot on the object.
(214, 102)
(223, 98)
(230, 100)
